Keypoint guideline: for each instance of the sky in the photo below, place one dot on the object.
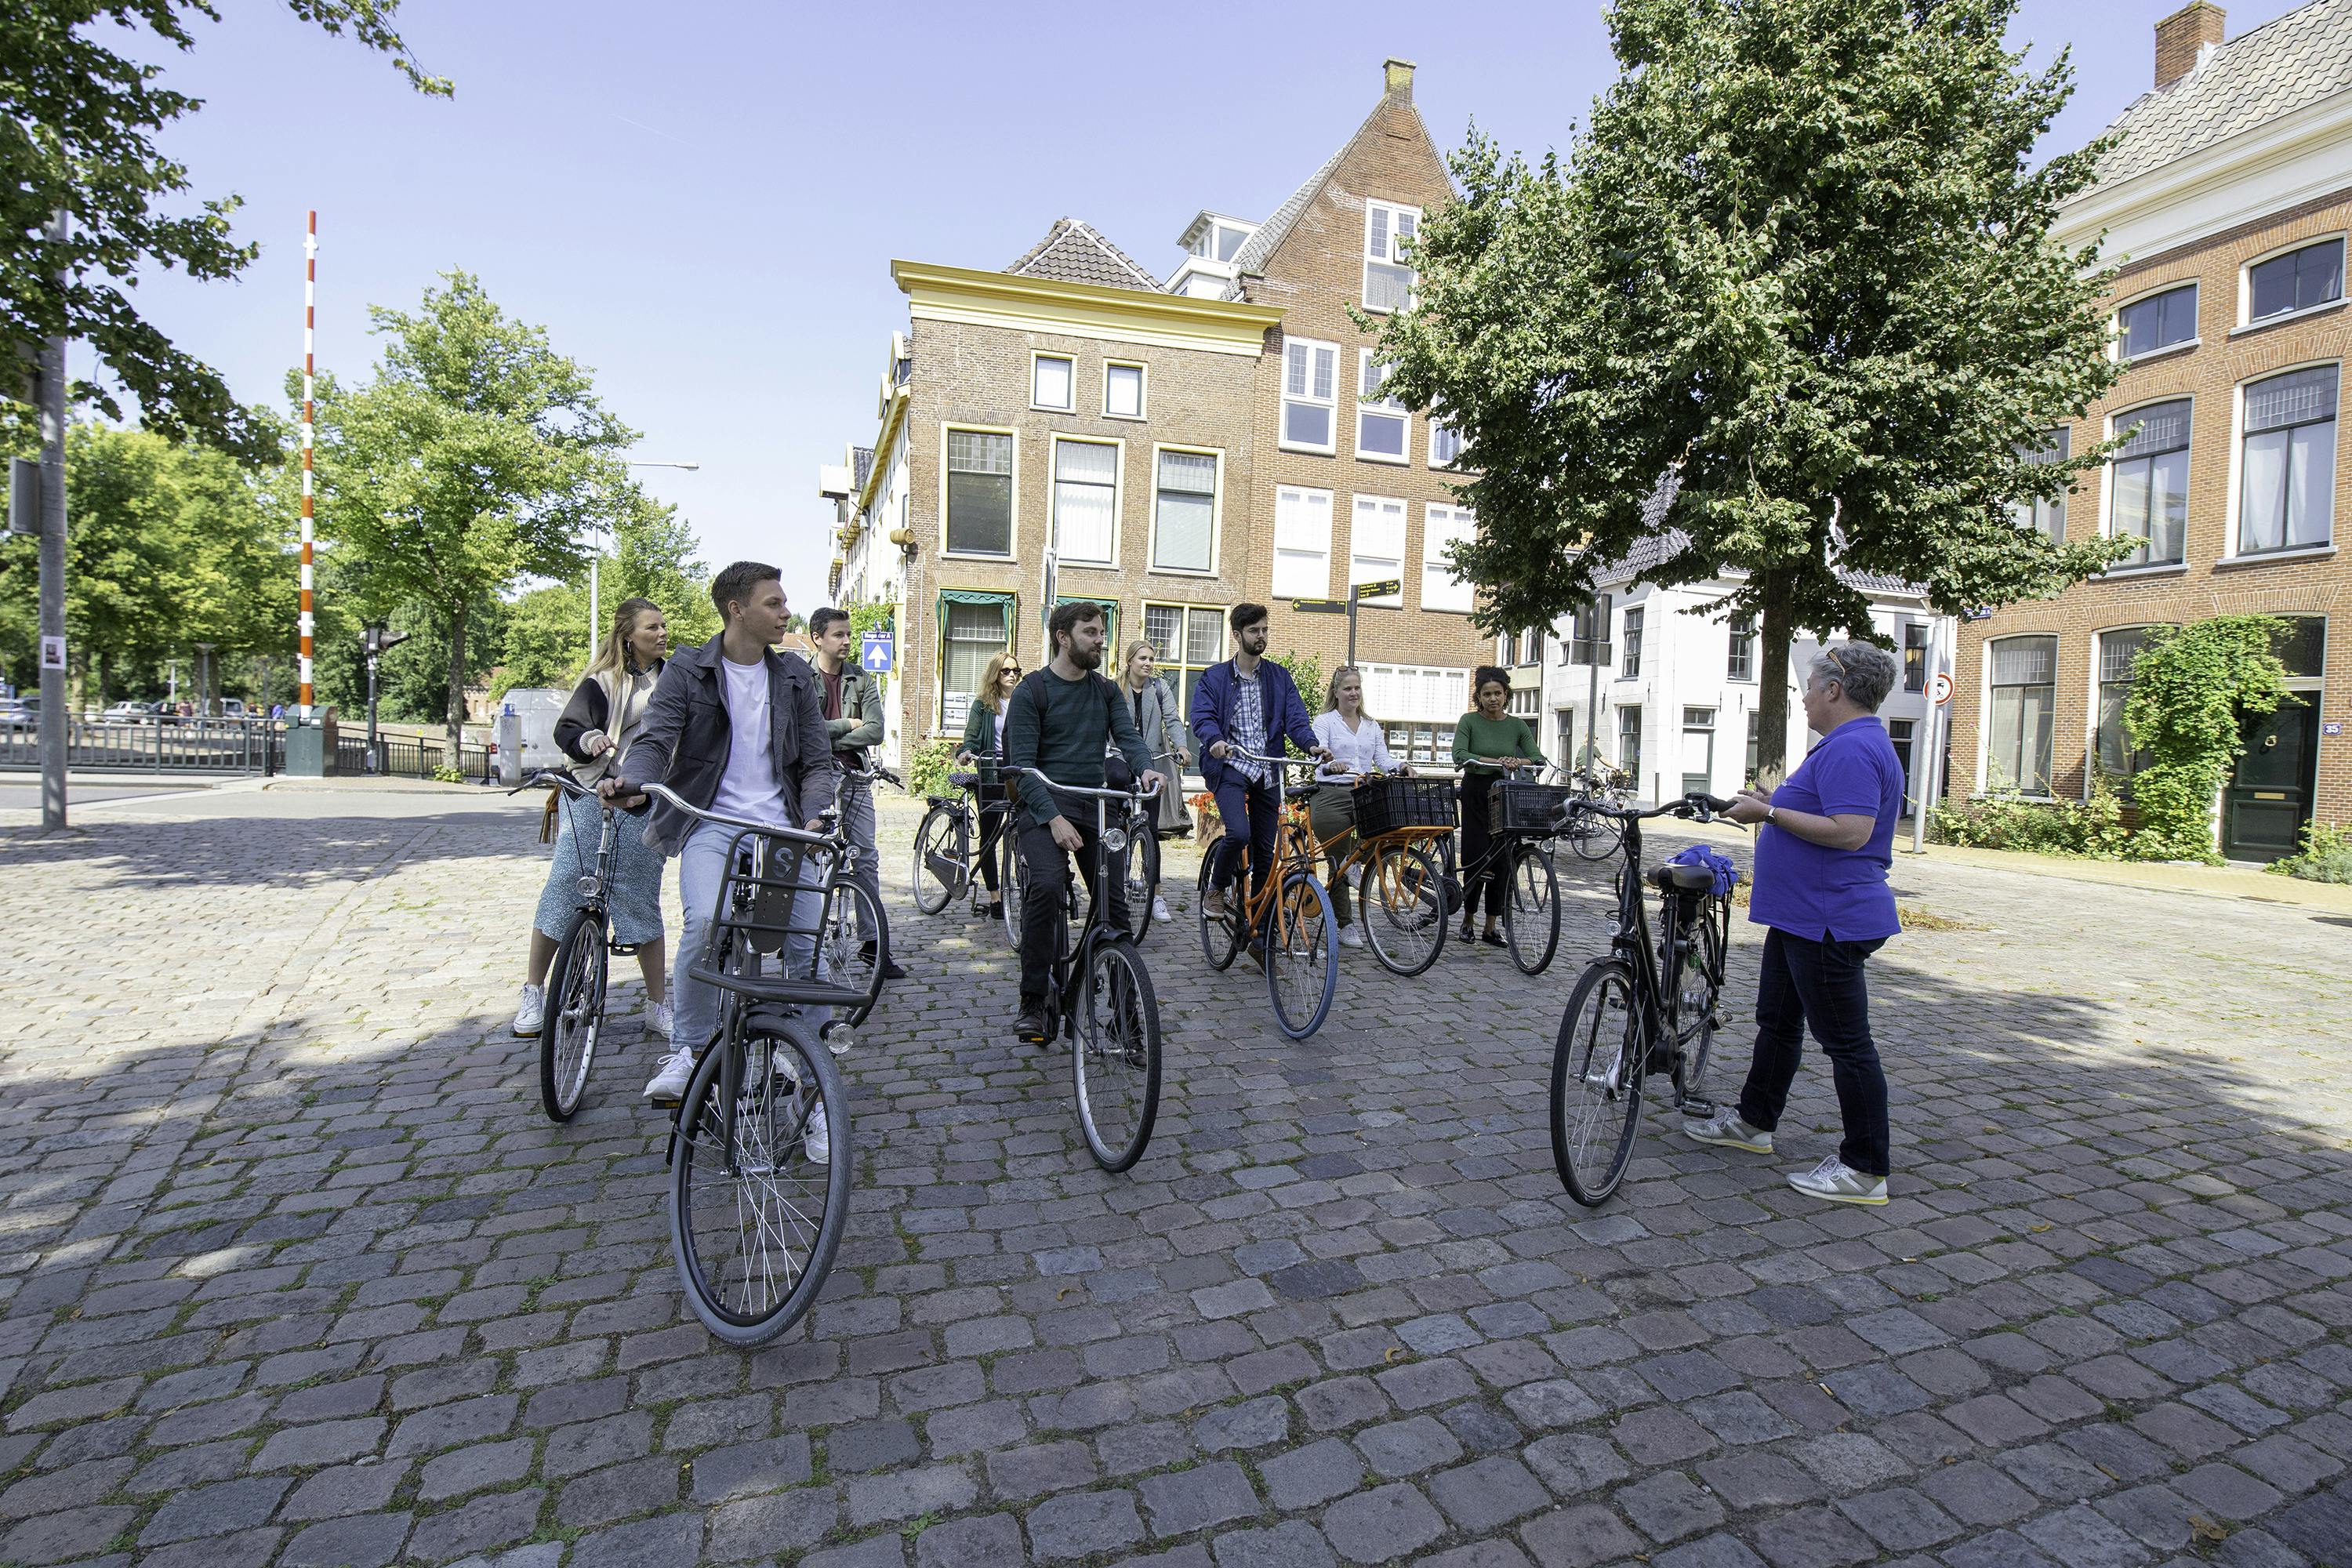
(702, 201)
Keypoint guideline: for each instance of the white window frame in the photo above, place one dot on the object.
(1371, 257)
(1142, 388)
(2116, 320)
(1070, 360)
(1216, 511)
(1185, 610)
(1441, 524)
(1118, 497)
(1330, 406)
(1013, 522)
(1387, 407)
(1357, 570)
(2107, 487)
(1985, 702)
(2245, 314)
(1436, 422)
(2235, 500)
(1300, 497)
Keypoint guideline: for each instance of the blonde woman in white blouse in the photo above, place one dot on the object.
(1358, 748)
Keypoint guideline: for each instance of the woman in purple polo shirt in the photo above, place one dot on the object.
(1821, 856)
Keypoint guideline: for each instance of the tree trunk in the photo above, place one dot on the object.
(1772, 686)
(454, 733)
(105, 675)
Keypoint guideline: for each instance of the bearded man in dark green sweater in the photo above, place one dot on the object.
(1061, 721)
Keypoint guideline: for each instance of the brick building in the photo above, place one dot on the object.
(2225, 205)
(1072, 428)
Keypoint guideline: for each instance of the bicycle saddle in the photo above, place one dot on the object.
(963, 781)
(1683, 879)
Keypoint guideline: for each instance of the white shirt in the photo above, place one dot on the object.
(1354, 752)
(748, 789)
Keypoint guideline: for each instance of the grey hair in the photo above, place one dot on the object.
(1866, 671)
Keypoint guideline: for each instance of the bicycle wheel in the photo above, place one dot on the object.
(758, 1193)
(1008, 875)
(1699, 986)
(849, 961)
(1142, 866)
(1220, 938)
(575, 1014)
(1115, 1058)
(938, 861)
(1596, 1082)
(1532, 911)
(1590, 835)
(1302, 956)
(1400, 899)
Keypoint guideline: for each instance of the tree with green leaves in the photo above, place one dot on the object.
(477, 456)
(2192, 688)
(78, 121)
(1801, 261)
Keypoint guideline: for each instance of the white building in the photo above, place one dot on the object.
(869, 489)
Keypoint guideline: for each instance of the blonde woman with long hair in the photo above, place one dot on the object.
(1358, 749)
(984, 736)
(603, 719)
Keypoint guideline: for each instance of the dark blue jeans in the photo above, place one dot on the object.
(1241, 801)
(1819, 984)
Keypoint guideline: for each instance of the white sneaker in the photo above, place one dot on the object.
(531, 1011)
(1159, 912)
(1351, 935)
(670, 1081)
(816, 1139)
(1840, 1183)
(659, 1018)
(1725, 1129)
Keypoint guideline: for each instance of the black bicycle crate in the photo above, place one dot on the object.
(1529, 808)
(1385, 804)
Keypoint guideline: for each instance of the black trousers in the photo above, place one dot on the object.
(993, 813)
(1819, 984)
(1045, 885)
(1477, 837)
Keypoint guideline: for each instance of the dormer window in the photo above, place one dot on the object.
(1220, 239)
(1388, 236)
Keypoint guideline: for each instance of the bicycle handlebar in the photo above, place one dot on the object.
(796, 835)
(1233, 751)
(555, 776)
(1006, 771)
(1697, 804)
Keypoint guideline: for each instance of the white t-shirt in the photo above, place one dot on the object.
(749, 788)
(1354, 752)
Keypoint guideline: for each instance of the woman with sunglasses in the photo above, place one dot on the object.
(984, 737)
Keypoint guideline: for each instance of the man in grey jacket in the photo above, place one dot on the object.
(852, 701)
(735, 728)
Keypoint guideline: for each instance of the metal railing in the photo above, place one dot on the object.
(406, 757)
(143, 745)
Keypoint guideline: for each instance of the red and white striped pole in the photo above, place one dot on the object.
(309, 374)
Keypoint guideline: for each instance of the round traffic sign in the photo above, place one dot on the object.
(1943, 688)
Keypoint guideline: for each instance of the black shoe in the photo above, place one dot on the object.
(890, 970)
(995, 911)
(1029, 1028)
(1492, 938)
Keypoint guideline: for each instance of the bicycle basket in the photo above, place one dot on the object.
(1529, 808)
(1385, 804)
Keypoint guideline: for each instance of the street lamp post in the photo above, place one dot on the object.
(595, 625)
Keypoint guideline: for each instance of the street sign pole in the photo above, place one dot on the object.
(1355, 598)
(1925, 767)
(53, 556)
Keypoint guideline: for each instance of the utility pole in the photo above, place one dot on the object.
(52, 397)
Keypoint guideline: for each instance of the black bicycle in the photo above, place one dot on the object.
(853, 959)
(760, 1152)
(1648, 1007)
(956, 832)
(1101, 999)
(573, 1022)
(1525, 821)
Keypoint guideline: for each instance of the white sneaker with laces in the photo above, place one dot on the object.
(659, 1017)
(531, 1011)
(1840, 1183)
(670, 1079)
(1161, 912)
(816, 1141)
(1725, 1129)
(1351, 935)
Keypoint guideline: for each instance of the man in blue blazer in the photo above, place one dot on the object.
(1248, 703)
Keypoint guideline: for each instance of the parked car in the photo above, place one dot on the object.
(234, 707)
(133, 711)
(15, 715)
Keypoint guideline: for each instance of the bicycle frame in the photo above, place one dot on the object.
(1294, 845)
(1070, 964)
(1655, 962)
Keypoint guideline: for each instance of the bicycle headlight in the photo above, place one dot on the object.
(588, 886)
(1114, 839)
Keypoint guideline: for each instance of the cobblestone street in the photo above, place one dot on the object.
(294, 1271)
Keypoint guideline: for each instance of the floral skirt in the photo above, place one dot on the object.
(634, 897)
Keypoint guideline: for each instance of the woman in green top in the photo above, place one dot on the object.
(1488, 744)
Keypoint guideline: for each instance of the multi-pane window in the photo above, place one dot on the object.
(1052, 382)
(1914, 656)
(1442, 588)
(1186, 639)
(1085, 502)
(1525, 702)
(2118, 757)
(980, 493)
(1184, 513)
(1384, 425)
(2047, 518)
(2157, 321)
(1632, 667)
(2288, 465)
(973, 634)
(1310, 389)
(1741, 665)
(1589, 633)
(2150, 482)
(1123, 391)
(1444, 444)
(2297, 281)
(1629, 741)
(2024, 673)
(1376, 546)
(1302, 542)
(1388, 234)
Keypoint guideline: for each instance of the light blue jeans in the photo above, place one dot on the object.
(853, 799)
(701, 872)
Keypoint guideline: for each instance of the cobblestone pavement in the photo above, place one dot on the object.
(295, 1272)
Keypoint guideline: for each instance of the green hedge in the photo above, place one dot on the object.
(2006, 820)
(2327, 855)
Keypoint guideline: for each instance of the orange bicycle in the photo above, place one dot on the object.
(1398, 861)
(1286, 918)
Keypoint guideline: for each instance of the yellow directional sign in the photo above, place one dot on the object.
(1317, 607)
(1379, 590)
